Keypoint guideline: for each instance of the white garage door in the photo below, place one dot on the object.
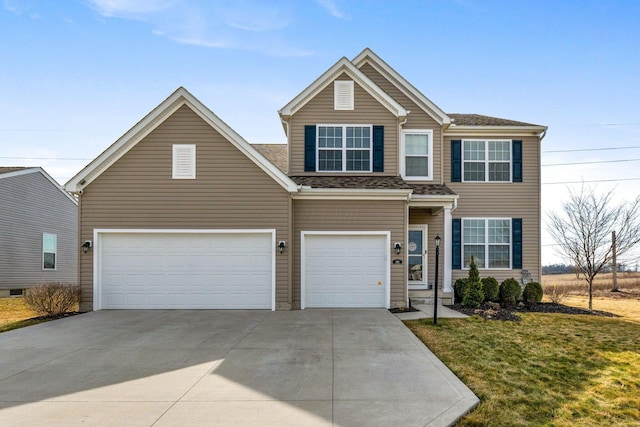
(204, 270)
(345, 270)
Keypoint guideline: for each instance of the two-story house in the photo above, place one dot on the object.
(182, 212)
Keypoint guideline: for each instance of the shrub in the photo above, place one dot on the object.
(532, 294)
(52, 299)
(555, 293)
(509, 292)
(459, 288)
(473, 295)
(491, 289)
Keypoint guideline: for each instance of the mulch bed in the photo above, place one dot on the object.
(493, 311)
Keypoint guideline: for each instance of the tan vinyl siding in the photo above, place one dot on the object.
(338, 215)
(417, 119)
(320, 110)
(435, 225)
(505, 200)
(31, 205)
(229, 192)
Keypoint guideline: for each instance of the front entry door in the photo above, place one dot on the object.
(417, 256)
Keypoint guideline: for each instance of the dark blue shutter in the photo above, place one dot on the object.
(378, 148)
(516, 234)
(456, 244)
(517, 161)
(456, 161)
(310, 148)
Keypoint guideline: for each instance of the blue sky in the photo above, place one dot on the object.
(76, 75)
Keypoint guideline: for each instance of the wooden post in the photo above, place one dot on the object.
(615, 263)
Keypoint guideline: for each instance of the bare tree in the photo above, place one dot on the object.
(582, 231)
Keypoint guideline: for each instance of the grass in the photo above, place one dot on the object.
(548, 369)
(14, 314)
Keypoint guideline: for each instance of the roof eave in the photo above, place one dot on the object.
(467, 130)
(352, 193)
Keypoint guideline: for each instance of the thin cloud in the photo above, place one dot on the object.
(332, 8)
(243, 25)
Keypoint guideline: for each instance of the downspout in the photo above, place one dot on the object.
(291, 253)
(79, 243)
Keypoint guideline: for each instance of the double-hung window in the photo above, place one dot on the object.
(486, 160)
(488, 241)
(417, 152)
(49, 251)
(344, 148)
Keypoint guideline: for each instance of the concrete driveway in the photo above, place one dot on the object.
(260, 368)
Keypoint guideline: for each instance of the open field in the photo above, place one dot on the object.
(628, 284)
(547, 369)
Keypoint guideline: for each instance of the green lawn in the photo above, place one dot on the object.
(548, 369)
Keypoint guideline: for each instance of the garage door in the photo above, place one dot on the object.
(183, 270)
(345, 270)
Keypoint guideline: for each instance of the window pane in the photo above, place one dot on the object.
(499, 231)
(329, 160)
(474, 231)
(329, 137)
(478, 253)
(415, 242)
(500, 150)
(416, 144)
(473, 150)
(474, 171)
(358, 160)
(358, 137)
(415, 268)
(417, 166)
(498, 256)
(49, 261)
(499, 171)
(49, 243)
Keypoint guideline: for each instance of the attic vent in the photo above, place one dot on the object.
(184, 161)
(343, 95)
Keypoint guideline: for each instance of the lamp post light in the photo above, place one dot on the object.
(435, 293)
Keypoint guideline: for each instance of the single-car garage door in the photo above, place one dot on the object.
(345, 269)
(185, 270)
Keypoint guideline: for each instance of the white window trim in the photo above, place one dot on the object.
(344, 148)
(55, 252)
(487, 161)
(487, 244)
(341, 89)
(192, 166)
(403, 157)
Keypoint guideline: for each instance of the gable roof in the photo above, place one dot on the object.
(278, 154)
(13, 171)
(367, 56)
(480, 120)
(342, 66)
(152, 120)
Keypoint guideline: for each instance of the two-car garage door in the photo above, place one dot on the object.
(185, 270)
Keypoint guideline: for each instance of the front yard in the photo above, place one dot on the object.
(548, 369)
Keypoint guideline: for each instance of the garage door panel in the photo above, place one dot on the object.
(190, 270)
(345, 270)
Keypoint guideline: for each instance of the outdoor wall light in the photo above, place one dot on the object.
(398, 248)
(86, 245)
(437, 241)
(282, 245)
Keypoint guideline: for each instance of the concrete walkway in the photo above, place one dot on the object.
(425, 311)
(225, 368)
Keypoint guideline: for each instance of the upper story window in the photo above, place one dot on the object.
(343, 95)
(486, 160)
(417, 157)
(49, 251)
(488, 241)
(184, 161)
(344, 148)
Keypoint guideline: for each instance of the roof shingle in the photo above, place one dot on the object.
(480, 120)
(372, 183)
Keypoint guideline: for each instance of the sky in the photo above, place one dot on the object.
(76, 75)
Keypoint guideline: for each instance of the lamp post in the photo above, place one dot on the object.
(435, 293)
